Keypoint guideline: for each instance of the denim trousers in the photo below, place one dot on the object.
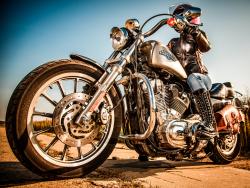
(197, 81)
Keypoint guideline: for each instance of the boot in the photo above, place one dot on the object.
(207, 129)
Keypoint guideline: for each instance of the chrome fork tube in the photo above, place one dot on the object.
(105, 85)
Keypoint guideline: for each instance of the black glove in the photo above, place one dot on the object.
(192, 30)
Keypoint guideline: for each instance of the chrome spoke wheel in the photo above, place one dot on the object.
(227, 144)
(51, 116)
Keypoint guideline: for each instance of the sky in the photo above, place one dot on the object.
(34, 32)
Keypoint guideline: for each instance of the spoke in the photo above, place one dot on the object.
(52, 143)
(103, 131)
(59, 83)
(36, 133)
(64, 153)
(49, 99)
(75, 84)
(79, 152)
(44, 114)
(93, 145)
(65, 149)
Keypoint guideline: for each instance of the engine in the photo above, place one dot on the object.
(169, 98)
(171, 102)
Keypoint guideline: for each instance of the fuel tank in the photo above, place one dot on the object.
(159, 56)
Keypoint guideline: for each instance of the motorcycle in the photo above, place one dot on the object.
(65, 117)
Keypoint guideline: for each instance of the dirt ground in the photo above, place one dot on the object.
(122, 169)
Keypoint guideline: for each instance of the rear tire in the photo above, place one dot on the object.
(17, 123)
(221, 156)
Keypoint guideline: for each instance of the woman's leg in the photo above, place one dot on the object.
(200, 85)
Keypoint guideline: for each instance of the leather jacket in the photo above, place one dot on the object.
(187, 48)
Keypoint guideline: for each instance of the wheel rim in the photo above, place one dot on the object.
(227, 144)
(50, 121)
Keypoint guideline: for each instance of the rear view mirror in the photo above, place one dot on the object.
(132, 24)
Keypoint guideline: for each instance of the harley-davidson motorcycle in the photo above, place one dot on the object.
(65, 117)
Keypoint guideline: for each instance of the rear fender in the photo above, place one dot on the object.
(229, 118)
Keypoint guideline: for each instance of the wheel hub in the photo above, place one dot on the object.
(228, 144)
(63, 121)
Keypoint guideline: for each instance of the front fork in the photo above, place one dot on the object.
(105, 83)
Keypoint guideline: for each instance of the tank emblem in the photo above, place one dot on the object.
(168, 55)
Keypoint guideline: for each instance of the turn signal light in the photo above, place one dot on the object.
(171, 22)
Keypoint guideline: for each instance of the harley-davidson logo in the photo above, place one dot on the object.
(168, 55)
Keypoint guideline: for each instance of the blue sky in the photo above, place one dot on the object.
(34, 32)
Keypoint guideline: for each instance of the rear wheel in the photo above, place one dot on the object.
(40, 121)
(227, 148)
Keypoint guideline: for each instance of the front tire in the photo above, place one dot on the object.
(34, 136)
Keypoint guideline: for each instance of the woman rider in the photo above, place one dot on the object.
(188, 48)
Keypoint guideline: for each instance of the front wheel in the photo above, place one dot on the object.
(226, 149)
(40, 120)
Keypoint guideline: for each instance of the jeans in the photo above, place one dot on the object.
(197, 81)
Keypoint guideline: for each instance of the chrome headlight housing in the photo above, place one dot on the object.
(119, 37)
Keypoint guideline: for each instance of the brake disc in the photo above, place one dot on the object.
(63, 121)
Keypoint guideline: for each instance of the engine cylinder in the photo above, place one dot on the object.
(168, 97)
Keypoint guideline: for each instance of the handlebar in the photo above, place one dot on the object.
(155, 28)
(163, 22)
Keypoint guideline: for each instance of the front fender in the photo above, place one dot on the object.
(88, 60)
(99, 67)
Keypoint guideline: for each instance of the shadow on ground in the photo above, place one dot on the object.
(14, 173)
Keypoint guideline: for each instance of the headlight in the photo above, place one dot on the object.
(119, 37)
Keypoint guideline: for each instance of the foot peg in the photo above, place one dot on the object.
(205, 133)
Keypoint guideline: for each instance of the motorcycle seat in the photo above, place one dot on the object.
(222, 91)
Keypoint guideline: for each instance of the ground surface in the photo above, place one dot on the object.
(122, 169)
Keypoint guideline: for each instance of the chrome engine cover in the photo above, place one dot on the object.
(172, 134)
(171, 103)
